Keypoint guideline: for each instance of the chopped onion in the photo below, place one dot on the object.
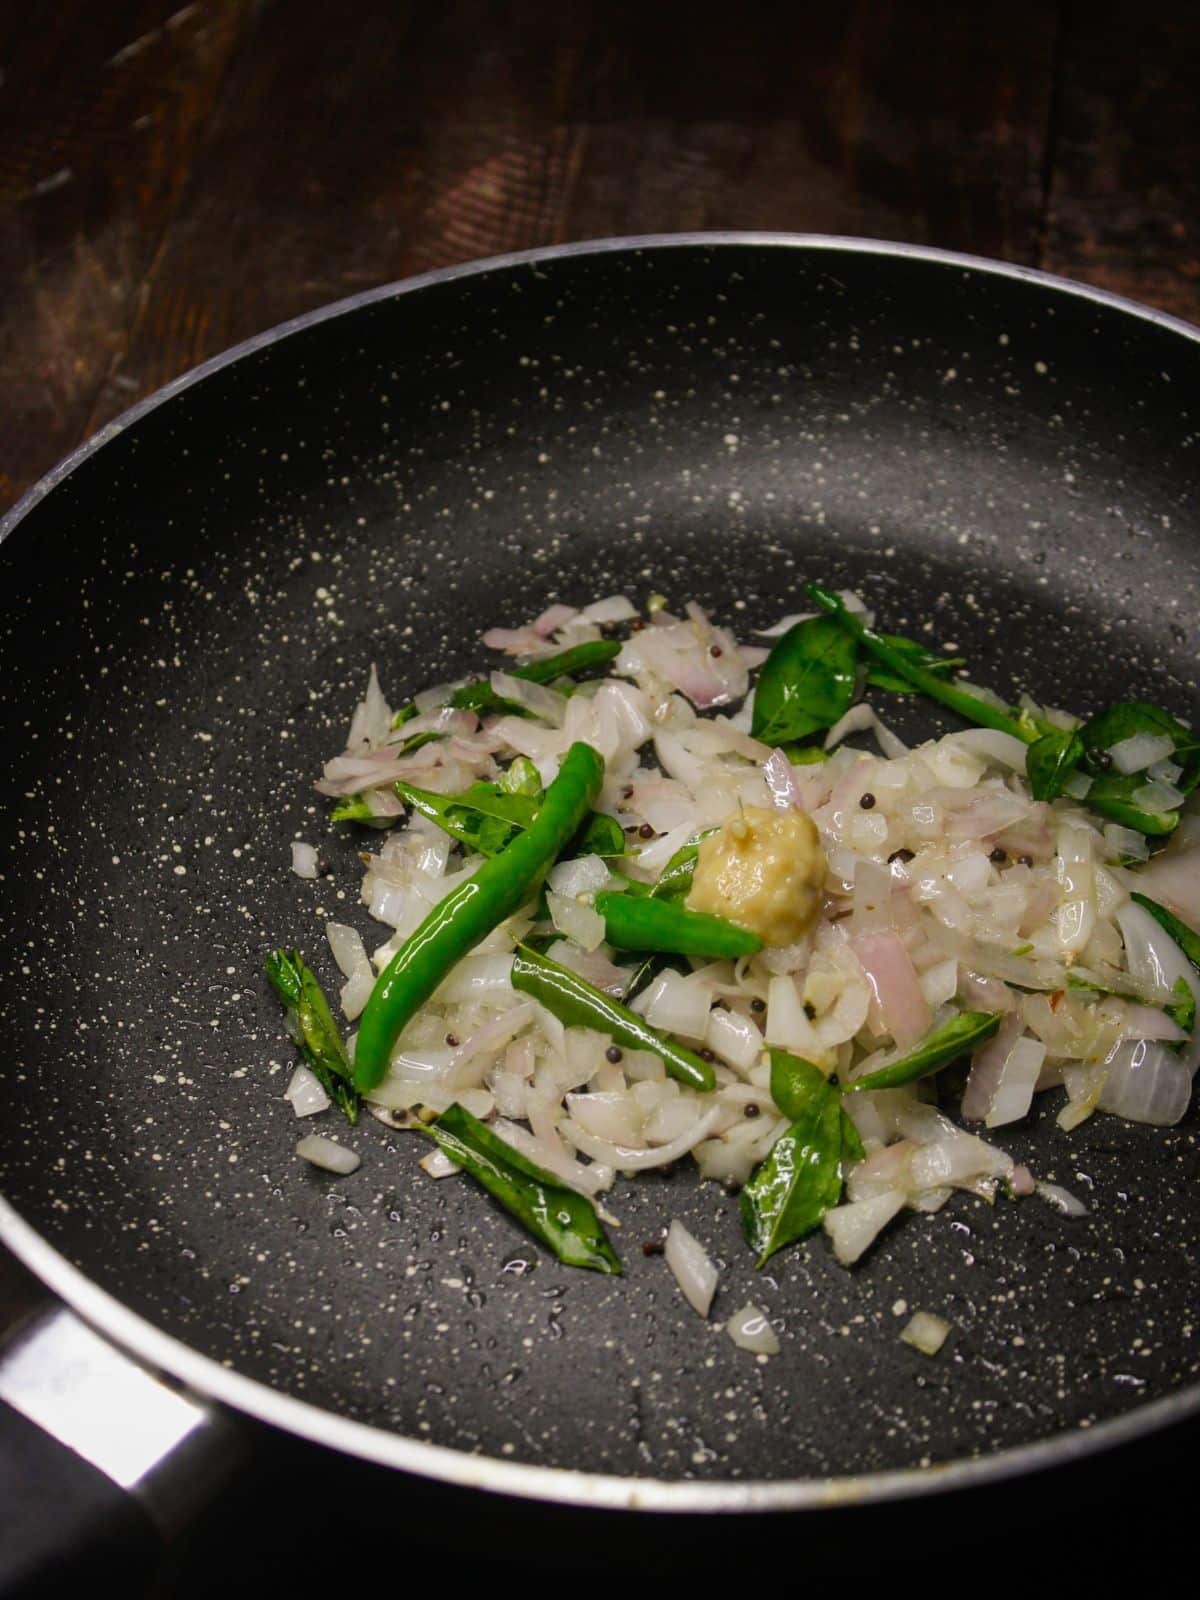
(1141, 750)
(305, 861)
(854, 1227)
(694, 1272)
(750, 1329)
(574, 921)
(582, 875)
(902, 1007)
(328, 1154)
(1061, 1198)
(438, 1164)
(1146, 1082)
(734, 1038)
(306, 1094)
(616, 608)
(1158, 797)
(547, 704)
(1018, 1079)
(676, 1004)
(925, 1332)
(625, 1159)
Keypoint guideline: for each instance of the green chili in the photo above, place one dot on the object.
(553, 1213)
(577, 1004)
(906, 667)
(633, 922)
(470, 912)
(936, 1050)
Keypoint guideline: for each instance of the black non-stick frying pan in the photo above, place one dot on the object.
(190, 607)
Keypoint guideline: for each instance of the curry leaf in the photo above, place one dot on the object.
(938, 1049)
(311, 1025)
(801, 1179)
(1050, 761)
(806, 683)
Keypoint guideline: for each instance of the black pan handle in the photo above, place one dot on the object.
(101, 1460)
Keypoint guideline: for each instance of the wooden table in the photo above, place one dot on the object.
(173, 179)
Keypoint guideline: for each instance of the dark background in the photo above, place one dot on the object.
(175, 178)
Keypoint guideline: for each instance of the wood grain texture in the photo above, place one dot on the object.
(1124, 201)
(424, 136)
(174, 179)
(101, 109)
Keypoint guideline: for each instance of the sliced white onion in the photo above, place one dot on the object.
(627, 1160)
(305, 1093)
(539, 701)
(676, 1004)
(854, 1227)
(616, 608)
(925, 1332)
(1157, 796)
(750, 1329)
(579, 923)
(1018, 1079)
(438, 1164)
(475, 976)
(689, 1262)
(583, 875)
(1141, 750)
(1004, 749)
(1146, 1082)
(734, 1038)
(305, 861)
(1062, 1199)
(1126, 843)
(328, 1154)
(788, 1023)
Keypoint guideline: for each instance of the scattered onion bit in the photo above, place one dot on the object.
(750, 1329)
(925, 1332)
(328, 1154)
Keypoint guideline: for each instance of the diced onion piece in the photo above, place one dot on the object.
(438, 1164)
(1146, 1082)
(546, 704)
(1062, 1199)
(750, 1329)
(305, 863)
(584, 875)
(677, 1005)
(1141, 750)
(328, 1154)
(580, 923)
(1157, 796)
(348, 949)
(1018, 1079)
(694, 1272)
(475, 976)
(925, 1332)
(854, 1227)
(306, 1094)
(788, 1023)
(734, 1038)
(1126, 843)
(615, 608)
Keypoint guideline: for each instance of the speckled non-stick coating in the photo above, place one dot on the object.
(188, 619)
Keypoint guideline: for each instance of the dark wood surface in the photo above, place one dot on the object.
(175, 177)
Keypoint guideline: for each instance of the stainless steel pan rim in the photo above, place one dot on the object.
(209, 1378)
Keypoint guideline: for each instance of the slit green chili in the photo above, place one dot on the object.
(577, 1004)
(470, 912)
(639, 922)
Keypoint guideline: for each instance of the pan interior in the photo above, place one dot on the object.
(188, 619)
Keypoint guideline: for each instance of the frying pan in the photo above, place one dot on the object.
(191, 604)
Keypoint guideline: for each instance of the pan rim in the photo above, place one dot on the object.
(206, 1377)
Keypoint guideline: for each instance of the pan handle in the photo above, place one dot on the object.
(101, 1459)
